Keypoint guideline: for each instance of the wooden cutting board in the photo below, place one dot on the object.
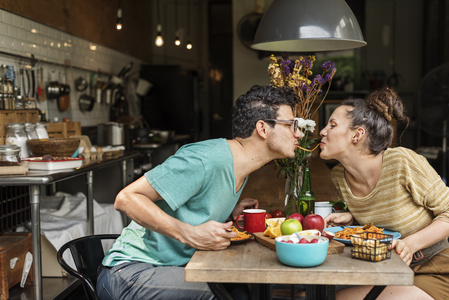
(334, 246)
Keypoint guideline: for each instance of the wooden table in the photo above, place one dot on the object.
(256, 264)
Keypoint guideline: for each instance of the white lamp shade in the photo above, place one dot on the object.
(308, 26)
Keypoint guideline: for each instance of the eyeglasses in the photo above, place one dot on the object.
(290, 123)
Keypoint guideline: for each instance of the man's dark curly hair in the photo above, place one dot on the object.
(259, 103)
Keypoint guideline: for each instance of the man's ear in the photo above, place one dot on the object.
(262, 129)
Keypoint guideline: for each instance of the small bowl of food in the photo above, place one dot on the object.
(301, 250)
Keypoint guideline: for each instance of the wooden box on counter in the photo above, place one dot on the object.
(16, 116)
(63, 129)
(13, 245)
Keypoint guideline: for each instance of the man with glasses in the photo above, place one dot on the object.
(182, 205)
(290, 123)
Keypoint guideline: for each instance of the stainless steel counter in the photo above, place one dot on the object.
(35, 179)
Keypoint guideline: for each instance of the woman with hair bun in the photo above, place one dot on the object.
(392, 188)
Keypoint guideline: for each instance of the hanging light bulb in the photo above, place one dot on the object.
(189, 45)
(159, 40)
(119, 17)
(177, 40)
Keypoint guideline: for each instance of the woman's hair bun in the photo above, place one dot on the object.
(388, 103)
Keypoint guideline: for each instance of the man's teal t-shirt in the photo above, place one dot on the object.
(197, 185)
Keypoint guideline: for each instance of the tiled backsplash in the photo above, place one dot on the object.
(53, 49)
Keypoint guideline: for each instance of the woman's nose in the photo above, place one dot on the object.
(323, 132)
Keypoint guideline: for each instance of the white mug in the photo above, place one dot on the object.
(323, 208)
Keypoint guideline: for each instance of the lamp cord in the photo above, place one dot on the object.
(157, 8)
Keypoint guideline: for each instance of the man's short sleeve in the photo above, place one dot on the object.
(178, 179)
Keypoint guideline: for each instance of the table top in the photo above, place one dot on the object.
(254, 263)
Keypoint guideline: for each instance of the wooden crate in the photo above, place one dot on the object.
(63, 129)
(13, 245)
(16, 116)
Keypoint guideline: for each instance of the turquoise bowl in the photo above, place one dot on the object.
(302, 255)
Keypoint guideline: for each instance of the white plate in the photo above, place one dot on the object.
(34, 163)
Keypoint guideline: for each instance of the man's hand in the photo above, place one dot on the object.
(244, 204)
(209, 236)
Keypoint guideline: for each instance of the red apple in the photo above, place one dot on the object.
(328, 234)
(313, 221)
(277, 214)
(296, 216)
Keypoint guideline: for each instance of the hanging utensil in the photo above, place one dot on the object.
(40, 91)
(86, 102)
(33, 84)
(81, 84)
(98, 90)
(26, 83)
(64, 102)
(64, 98)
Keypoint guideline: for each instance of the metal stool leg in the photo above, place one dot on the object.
(375, 292)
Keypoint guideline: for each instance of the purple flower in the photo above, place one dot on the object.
(317, 80)
(328, 65)
(286, 65)
(292, 65)
(306, 63)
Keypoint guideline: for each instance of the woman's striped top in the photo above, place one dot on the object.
(408, 196)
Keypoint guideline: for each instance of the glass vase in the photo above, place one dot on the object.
(292, 189)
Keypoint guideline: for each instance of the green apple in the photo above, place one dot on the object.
(290, 226)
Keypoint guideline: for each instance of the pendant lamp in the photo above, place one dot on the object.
(308, 26)
(159, 41)
(177, 39)
(119, 24)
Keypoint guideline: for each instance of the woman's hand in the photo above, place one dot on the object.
(338, 219)
(244, 204)
(403, 250)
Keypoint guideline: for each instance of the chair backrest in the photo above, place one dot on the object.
(87, 253)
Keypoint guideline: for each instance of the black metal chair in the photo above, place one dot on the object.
(87, 253)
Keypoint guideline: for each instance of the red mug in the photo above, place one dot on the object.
(253, 221)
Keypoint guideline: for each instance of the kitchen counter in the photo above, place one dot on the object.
(46, 177)
(35, 179)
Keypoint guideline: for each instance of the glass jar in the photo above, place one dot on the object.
(30, 130)
(9, 155)
(18, 103)
(29, 103)
(41, 130)
(15, 135)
